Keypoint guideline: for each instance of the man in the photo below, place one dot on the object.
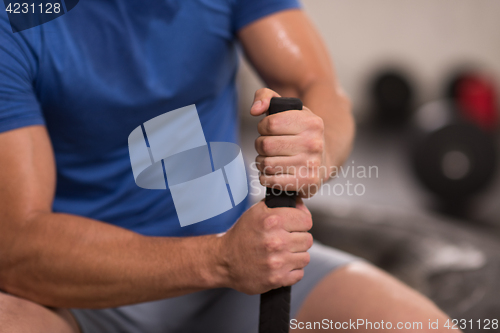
(77, 233)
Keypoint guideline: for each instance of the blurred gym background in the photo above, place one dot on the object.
(424, 80)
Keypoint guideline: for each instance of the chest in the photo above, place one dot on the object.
(124, 62)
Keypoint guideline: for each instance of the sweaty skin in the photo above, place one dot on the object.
(63, 260)
(315, 139)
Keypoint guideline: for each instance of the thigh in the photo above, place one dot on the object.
(361, 293)
(217, 310)
(20, 315)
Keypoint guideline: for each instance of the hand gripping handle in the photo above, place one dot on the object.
(275, 304)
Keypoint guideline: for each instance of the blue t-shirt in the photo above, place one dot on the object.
(94, 74)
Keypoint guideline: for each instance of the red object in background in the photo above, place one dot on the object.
(476, 97)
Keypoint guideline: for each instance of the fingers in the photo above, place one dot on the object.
(290, 219)
(301, 173)
(298, 262)
(293, 165)
(300, 241)
(288, 145)
(278, 145)
(261, 101)
(291, 148)
(299, 204)
(284, 123)
(291, 122)
(293, 277)
(288, 270)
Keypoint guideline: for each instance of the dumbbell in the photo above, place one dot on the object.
(392, 97)
(451, 157)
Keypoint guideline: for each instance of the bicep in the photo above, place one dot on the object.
(286, 50)
(27, 171)
(27, 177)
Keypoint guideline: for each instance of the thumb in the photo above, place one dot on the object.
(262, 100)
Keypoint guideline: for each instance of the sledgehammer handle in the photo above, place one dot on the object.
(275, 304)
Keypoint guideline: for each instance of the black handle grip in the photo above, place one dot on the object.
(276, 197)
(275, 304)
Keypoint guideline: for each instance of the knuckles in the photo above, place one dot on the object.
(315, 145)
(273, 244)
(274, 281)
(272, 124)
(316, 123)
(271, 222)
(313, 163)
(307, 222)
(274, 264)
(266, 145)
(266, 166)
(264, 181)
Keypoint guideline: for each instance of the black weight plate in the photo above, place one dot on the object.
(464, 138)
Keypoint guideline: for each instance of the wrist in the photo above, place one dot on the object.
(217, 275)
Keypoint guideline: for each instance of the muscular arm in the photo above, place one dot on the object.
(290, 56)
(64, 260)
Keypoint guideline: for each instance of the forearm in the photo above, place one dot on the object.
(324, 98)
(331, 104)
(290, 56)
(69, 261)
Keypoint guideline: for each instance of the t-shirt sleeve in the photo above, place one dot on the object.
(19, 106)
(247, 11)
